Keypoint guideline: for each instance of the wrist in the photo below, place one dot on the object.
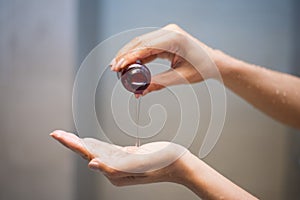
(228, 67)
(212, 63)
(195, 175)
(187, 167)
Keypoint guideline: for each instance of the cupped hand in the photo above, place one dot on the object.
(149, 163)
(189, 58)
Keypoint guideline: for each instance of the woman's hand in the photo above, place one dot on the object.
(276, 94)
(190, 59)
(149, 163)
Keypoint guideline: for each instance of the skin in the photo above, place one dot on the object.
(187, 169)
(274, 93)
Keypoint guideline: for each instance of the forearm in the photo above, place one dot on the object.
(276, 94)
(208, 183)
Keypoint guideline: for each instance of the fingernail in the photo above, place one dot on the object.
(52, 134)
(93, 165)
(56, 133)
(119, 64)
(145, 92)
(113, 62)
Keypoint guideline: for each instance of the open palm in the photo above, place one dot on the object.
(152, 162)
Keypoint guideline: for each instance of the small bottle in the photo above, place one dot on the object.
(135, 78)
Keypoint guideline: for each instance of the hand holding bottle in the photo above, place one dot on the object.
(190, 59)
(274, 93)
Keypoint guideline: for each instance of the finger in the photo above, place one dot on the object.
(163, 55)
(97, 164)
(162, 80)
(72, 142)
(165, 43)
(139, 41)
(99, 149)
(143, 39)
(145, 55)
(152, 87)
(148, 59)
(134, 55)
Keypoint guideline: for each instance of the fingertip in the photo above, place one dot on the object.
(119, 64)
(93, 163)
(145, 92)
(57, 133)
(113, 62)
(126, 61)
(93, 166)
(112, 67)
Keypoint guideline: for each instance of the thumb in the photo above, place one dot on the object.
(164, 79)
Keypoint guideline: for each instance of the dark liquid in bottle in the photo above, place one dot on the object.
(135, 78)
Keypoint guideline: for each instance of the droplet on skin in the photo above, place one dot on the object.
(284, 94)
(277, 91)
(283, 101)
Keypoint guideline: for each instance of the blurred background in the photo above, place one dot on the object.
(42, 44)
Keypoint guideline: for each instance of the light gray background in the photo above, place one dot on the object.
(42, 43)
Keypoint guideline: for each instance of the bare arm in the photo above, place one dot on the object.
(276, 94)
(208, 183)
(186, 169)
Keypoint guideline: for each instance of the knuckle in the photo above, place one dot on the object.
(173, 27)
(146, 44)
(137, 40)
